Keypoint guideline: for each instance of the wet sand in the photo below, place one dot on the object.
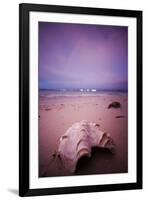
(56, 115)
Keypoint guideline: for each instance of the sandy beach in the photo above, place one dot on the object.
(58, 113)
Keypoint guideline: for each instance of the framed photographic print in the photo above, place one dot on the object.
(80, 99)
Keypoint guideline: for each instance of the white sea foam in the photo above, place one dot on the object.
(47, 94)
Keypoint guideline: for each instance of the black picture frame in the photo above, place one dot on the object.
(24, 10)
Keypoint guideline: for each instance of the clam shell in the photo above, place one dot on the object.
(79, 140)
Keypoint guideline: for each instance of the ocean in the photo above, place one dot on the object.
(48, 94)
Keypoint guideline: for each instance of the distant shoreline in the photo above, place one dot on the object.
(52, 94)
(84, 90)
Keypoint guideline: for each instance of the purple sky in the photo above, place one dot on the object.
(82, 56)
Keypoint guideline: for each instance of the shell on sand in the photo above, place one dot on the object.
(79, 140)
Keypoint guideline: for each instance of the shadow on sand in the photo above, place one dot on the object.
(100, 162)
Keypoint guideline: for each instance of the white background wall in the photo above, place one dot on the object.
(9, 97)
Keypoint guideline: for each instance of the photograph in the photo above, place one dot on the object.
(82, 99)
(80, 103)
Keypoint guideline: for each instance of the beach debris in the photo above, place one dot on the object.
(78, 141)
(120, 116)
(48, 109)
(114, 104)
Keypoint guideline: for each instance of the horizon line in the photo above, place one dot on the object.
(61, 89)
